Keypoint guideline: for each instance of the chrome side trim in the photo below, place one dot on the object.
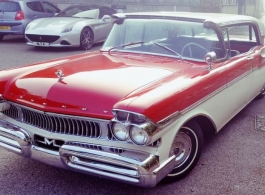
(214, 92)
(202, 100)
(238, 78)
(168, 120)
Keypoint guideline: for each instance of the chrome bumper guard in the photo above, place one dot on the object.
(146, 173)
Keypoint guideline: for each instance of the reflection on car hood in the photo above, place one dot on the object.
(89, 86)
(55, 23)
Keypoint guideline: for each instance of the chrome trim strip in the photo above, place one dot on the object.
(109, 168)
(195, 104)
(7, 146)
(214, 92)
(105, 174)
(55, 153)
(238, 78)
(69, 150)
(168, 120)
(9, 141)
(178, 114)
(16, 134)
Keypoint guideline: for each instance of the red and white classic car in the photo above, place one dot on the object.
(138, 110)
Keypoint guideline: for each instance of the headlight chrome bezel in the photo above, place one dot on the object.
(146, 137)
(115, 133)
(132, 120)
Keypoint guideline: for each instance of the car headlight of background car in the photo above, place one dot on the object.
(67, 28)
(132, 126)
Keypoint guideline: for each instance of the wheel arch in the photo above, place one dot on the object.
(206, 124)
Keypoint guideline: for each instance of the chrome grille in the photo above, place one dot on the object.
(12, 112)
(54, 123)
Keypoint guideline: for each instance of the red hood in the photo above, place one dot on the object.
(91, 85)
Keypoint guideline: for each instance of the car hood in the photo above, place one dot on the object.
(89, 85)
(53, 23)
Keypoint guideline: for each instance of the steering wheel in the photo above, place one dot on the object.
(190, 50)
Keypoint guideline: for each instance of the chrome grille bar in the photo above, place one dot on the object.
(54, 123)
(12, 112)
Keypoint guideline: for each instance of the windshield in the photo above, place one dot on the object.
(79, 11)
(180, 39)
(9, 6)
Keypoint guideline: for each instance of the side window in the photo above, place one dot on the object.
(49, 8)
(106, 11)
(35, 6)
(239, 38)
(243, 32)
(69, 12)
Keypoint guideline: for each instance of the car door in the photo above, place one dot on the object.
(239, 66)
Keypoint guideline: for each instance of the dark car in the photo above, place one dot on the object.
(16, 14)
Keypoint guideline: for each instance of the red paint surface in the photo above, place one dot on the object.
(152, 85)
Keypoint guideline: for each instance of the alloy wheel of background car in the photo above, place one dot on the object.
(187, 146)
(86, 39)
(262, 93)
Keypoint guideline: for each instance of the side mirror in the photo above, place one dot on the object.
(106, 18)
(210, 58)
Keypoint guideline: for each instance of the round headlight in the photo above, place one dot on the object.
(138, 135)
(120, 131)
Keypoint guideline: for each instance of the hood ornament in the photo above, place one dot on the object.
(59, 74)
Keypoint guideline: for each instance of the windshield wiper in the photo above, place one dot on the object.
(168, 49)
(126, 45)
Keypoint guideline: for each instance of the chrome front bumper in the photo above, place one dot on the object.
(146, 172)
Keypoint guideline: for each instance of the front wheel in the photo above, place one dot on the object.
(187, 147)
(86, 39)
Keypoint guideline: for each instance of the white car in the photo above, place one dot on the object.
(76, 26)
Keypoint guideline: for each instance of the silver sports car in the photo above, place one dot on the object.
(76, 26)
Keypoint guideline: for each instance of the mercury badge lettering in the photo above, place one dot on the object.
(138, 110)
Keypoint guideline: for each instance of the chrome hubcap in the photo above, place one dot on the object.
(181, 147)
